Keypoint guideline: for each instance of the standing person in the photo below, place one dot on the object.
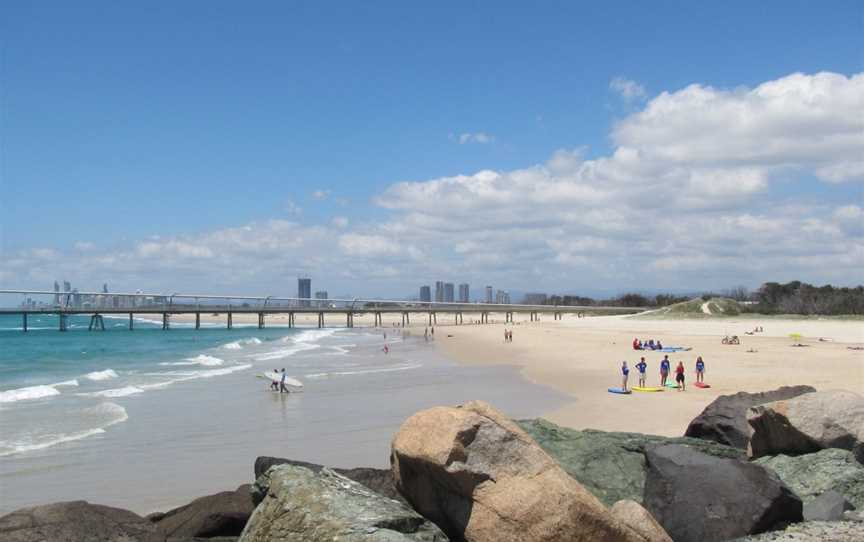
(386, 349)
(282, 386)
(642, 366)
(511, 335)
(625, 372)
(700, 369)
(664, 370)
(506, 335)
(426, 334)
(274, 384)
(679, 375)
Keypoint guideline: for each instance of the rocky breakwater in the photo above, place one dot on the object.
(299, 504)
(724, 420)
(480, 477)
(809, 423)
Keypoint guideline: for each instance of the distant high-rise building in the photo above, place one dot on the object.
(56, 293)
(321, 298)
(535, 299)
(105, 288)
(67, 286)
(304, 290)
(425, 294)
(439, 291)
(463, 293)
(502, 297)
(489, 294)
(448, 292)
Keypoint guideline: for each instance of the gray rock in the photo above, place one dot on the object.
(76, 521)
(378, 480)
(700, 498)
(813, 531)
(809, 423)
(222, 514)
(610, 465)
(302, 505)
(725, 419)
(828, 506)
(811, 475)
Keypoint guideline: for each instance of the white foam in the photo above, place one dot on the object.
(406, 367)
(310, 335)
(101, 375)
(238, 345)
(116, 392)
(72, 383)
(183, 376)
(30, 392)
(203, 359)
(285, 352)
(116, 414)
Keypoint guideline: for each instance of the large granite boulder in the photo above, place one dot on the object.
(481, 478)
(813, 531)
(302, 505)
(222, 514)
(632, 514)
(610, 465)
(810, 475)
(724, 420)
(77, 521)
(829, 506)
(378, 480)
(809, 423)
(700, 498)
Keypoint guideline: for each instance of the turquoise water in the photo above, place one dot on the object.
(150, 419)
(57, 387)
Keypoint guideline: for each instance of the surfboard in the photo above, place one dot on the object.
(672, 384)
(646, 388)
(619, 390)
(702, 385)
(277, 377)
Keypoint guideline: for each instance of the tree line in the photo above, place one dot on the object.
(794, 297)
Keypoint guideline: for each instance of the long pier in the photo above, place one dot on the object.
(166, 305)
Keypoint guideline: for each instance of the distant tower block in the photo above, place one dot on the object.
(304, 290)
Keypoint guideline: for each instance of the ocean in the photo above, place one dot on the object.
(151, 418)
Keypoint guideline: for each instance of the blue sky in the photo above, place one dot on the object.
(125, 124)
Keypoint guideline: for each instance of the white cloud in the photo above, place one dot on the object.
(629, 90)
(478, 137)
(686, 198)
(321, 194)
(84, 246)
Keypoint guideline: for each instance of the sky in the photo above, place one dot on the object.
(578, 147)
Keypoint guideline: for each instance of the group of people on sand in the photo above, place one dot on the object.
(508, 335)
(650, 344)
(665, 368)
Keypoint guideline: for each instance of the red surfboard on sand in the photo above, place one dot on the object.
(702, 385)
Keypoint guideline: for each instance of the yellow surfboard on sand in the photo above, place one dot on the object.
(640, 388)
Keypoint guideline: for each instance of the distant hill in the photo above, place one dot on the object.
(698, 308)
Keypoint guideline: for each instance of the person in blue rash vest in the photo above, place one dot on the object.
(642, 366)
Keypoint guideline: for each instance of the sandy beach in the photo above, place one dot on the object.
(581, 357)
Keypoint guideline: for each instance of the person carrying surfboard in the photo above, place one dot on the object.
(664, 370)
(642, 366)
(282, 386)
(274, 384)
(700, 370)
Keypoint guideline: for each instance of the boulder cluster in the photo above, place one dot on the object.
(781, 465)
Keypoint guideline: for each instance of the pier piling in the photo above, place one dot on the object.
(197, 320)
(230, 321)
(260, 320)
(63, 323)
(130, 321)
(165, 321)
(24, 325)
